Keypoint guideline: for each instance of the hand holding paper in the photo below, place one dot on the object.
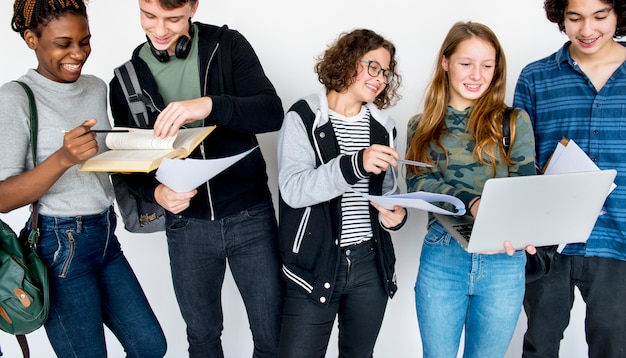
(419, 200)
(185, 175)
(568, 157)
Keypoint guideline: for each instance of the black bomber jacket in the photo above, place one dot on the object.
(312, 267)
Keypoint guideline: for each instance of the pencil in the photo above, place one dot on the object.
(110, 130)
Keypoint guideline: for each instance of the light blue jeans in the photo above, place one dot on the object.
(456, 290)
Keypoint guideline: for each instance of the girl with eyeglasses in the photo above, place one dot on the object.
(335, 146)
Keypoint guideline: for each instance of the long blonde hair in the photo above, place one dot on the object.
(485, 121)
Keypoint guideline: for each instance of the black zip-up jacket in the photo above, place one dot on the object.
(245, 103)
(308, 236)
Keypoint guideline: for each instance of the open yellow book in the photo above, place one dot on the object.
(139, 151)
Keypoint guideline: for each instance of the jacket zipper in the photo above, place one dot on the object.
(202, 147)
(145, 93)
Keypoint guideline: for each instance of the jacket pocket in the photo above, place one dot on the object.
(300, 232)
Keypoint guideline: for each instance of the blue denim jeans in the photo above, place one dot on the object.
(359, 300)
(456, 290)
(199, 250)
(549, 300)
(92, 285)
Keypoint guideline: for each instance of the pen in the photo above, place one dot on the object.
(412, 162)
(105, 131)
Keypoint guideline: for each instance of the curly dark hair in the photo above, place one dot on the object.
(555, 12)
(337, 68)
(35, 14)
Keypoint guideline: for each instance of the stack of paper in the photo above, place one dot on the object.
(569, 158)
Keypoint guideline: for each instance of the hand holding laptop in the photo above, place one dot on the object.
(537, 210)
(510, 250)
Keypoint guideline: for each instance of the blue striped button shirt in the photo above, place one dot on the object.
(562, 101)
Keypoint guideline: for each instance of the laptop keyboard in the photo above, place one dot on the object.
(465, 230)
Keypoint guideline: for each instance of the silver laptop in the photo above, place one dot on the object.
(533, 210)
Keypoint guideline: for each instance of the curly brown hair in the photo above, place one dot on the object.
(555, 12)
(35, 14)
(337, 68)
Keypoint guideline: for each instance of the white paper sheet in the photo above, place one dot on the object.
(188, 174)
(570, 158)
(419, 200)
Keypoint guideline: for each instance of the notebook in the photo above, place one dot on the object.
(534, 210)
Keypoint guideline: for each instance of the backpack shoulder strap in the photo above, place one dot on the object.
(33, 119)
(21, 338)
(506, 128)
(129, 82)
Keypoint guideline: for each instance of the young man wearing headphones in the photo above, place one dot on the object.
(194, 74)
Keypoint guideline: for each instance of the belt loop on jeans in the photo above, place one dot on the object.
(79, 224)
(364, 245)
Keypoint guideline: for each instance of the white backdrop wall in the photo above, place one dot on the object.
(288, 36)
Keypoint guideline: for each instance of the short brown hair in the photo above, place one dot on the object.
(175, 4)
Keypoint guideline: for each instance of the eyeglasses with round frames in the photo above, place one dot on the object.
(374, 69)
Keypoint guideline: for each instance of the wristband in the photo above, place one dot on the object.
(469, 208)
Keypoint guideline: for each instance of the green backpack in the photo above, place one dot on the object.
(24, 289)
(24, 300)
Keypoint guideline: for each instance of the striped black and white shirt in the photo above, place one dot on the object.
(353, 134)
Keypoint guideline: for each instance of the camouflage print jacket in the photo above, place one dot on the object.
(464, 177)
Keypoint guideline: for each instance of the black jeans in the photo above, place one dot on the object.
(199, 251)
(359, 300)
(548, 301)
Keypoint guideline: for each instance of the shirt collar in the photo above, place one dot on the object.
(563, 55)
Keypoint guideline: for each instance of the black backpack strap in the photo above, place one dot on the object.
(506, 128)
(137, 102)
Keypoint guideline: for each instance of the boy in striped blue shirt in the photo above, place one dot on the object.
(580, 92)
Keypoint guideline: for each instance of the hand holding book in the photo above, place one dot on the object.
(138, 150)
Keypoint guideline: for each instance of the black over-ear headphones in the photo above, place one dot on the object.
(183, 46)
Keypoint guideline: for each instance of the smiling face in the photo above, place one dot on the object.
(590, 25)
(365, 88)
(470, 70)
(164, 26)
(62, 48)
